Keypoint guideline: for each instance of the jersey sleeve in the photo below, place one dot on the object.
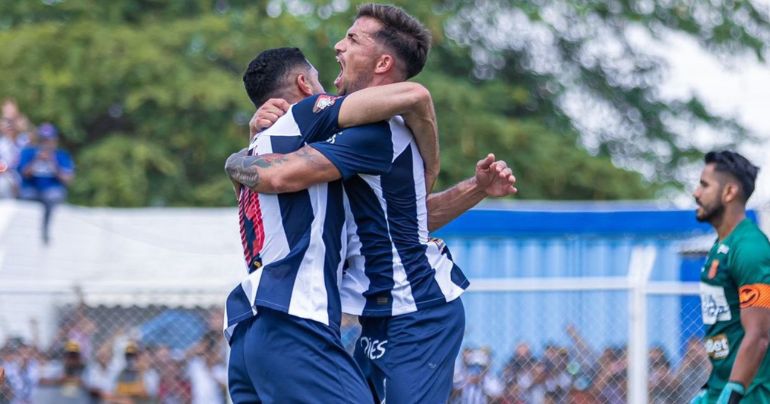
(318, 116)
(366, 149)
(752, 273)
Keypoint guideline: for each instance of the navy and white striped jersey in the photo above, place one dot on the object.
(394, 266)
(294, 243)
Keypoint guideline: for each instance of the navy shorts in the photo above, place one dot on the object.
(410, 358)
(278, 358)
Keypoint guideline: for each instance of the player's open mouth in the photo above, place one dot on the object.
(338, 80)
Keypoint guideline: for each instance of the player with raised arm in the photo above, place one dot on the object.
(283, 319)
(402, 284)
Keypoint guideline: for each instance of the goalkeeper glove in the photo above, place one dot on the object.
(732, 393)
(700, 398)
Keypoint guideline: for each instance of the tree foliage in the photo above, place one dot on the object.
(149, 99)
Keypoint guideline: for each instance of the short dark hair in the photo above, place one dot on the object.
(737, 166)
(402, 33)
(266, 75)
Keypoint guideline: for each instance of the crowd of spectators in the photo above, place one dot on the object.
(574, 374)
(79, 368)
(93, 361)
(32, 166)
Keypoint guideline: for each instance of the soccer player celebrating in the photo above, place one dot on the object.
(403, 285)
(735, 285)
(283, 319)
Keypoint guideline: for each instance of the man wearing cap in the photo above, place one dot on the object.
(46, 170)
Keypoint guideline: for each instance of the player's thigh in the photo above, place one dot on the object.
(423, 347)
(296, 360)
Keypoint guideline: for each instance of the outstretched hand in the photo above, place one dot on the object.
(495, 177)
(267, 114)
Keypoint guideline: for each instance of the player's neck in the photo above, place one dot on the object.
(729, 221)
(383, 79)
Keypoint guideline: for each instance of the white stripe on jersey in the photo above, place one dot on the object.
(308, 297)
(443, 269)
(276, 245)
(403, 301)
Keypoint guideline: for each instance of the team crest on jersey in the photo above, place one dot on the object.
(324, 101)
(713, 269)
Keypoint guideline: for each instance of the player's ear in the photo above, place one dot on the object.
(731, 192)
(384, 64)
(303, 85)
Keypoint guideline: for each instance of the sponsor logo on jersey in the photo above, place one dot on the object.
(713, 269)
(372, 348)
(324, 101)
(717, 346)
(714, 306)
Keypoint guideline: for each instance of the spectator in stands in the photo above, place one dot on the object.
(5, 389)
(207, 371)
(611, 381)
(23, 131)
(173, 384)
(46, 171)
(663, 386)
(350, 330)
(22, 371)
(66, 386)
(694, 370)
(101, 373)
(134, 382)
(522, 361)
(474, 383)
(9, 158)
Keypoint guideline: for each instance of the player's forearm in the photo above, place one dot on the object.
(750, 355)
(445, 206)
(422, 122)
(255, 172)
(380, 103)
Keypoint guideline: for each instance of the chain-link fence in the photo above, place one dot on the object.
(553, 345)
(87, 349)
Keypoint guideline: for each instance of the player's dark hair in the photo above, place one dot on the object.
(402, 33)
(268, 74)
(737, 166)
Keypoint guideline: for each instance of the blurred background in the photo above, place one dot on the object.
(584, 286)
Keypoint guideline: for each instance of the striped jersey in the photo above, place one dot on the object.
(294, 243)
(394, 267)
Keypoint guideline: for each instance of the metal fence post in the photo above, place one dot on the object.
(639, 270)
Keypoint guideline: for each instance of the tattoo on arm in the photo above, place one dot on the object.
(245, 169)
(308, 154)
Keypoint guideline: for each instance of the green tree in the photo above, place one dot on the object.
(149, 98)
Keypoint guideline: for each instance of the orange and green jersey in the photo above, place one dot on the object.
(736, 275)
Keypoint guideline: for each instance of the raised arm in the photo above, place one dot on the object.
(492, 178)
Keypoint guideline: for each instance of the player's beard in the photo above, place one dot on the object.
(361, 81)
(710, 214)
